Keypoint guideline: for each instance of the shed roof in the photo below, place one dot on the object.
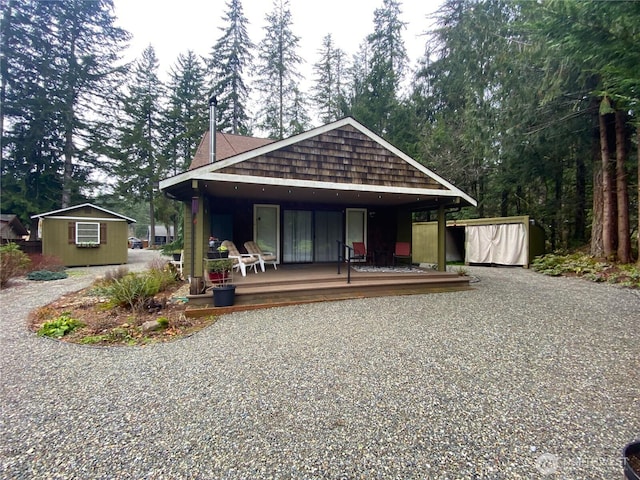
(68, 212)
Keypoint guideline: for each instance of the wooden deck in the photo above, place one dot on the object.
(294, 284)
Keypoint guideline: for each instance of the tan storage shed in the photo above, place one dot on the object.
(85, 235)
(489, 241)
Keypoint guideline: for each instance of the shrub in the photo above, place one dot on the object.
(131, 291)
(46, 275)
(589, 268)
(169, 248)
(60, 326)
(13, 263)
(115, 274)
(45, 262)
(166, 272)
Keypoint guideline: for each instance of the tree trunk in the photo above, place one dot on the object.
(596, 224)
(152, 221)
(5, 28)
(67, 175)
(580, 217)
(608, 219)
(622, 194)
(638, 182)
(504, 203)
(480, 196)
(559, 215)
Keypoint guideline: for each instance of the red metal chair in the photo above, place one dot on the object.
(403, 250)
(360, 253)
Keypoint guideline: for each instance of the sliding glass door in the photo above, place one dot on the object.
(297, 232)
(327, 230)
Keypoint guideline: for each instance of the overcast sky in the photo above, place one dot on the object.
(175, 26)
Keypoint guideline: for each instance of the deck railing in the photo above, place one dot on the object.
(342, 248)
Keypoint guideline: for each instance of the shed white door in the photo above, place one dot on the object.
(502, 244)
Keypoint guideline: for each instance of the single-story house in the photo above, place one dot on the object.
(11, 228)
(306, 197)
(513, 240)
(84, 235)
(161, 237)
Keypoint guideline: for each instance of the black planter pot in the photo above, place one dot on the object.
(212, 255)
(224, 296)
(631, 461)
(176, 257)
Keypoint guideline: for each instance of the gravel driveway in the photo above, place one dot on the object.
(524, 376)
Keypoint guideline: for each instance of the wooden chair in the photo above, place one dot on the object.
(360, 253)
(265, 257)
(402, 250)
(241, 261)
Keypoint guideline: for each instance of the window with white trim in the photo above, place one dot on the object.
(87, 232)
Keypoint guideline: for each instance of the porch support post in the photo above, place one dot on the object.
(442, 239)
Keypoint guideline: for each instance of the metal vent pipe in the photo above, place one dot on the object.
(213, 103)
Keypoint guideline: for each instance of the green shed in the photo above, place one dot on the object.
(85, 235)
(489, 241)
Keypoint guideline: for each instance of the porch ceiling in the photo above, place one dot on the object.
(259, 190)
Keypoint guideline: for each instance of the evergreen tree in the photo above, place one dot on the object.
(31, 145)
(600, 40)
(329, 88)
(183, 124)
(186, 118)
(283, 107)
(59, 67)
(230, 57)
(140, 164)
(87, 46)
(375, 101)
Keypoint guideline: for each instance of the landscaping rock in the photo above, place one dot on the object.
(150, 326)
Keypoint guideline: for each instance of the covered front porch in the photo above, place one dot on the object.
(308, 283)
(308, 200)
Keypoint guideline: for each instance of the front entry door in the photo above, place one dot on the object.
(266, 228)
(356, 226)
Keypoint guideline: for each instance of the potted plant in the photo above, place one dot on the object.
(221, 275)
(631, 461)
(218, 252)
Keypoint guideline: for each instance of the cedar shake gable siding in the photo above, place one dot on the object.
(343, 155)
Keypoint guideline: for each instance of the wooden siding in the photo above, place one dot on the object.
(343, 155)
(57, 240)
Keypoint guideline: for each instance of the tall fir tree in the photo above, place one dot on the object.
(60, 68)
(183, 124)
(283, 110)
(88, 47)
(329, 88)
(230, 58)
(141, 165)
(32, 146)
(185, 119)
(377, 95)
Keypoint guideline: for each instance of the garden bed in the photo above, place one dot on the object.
(106, 325)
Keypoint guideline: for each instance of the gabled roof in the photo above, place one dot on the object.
(227, 145)
(68, 212)
(342, 159)
(9, 221)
